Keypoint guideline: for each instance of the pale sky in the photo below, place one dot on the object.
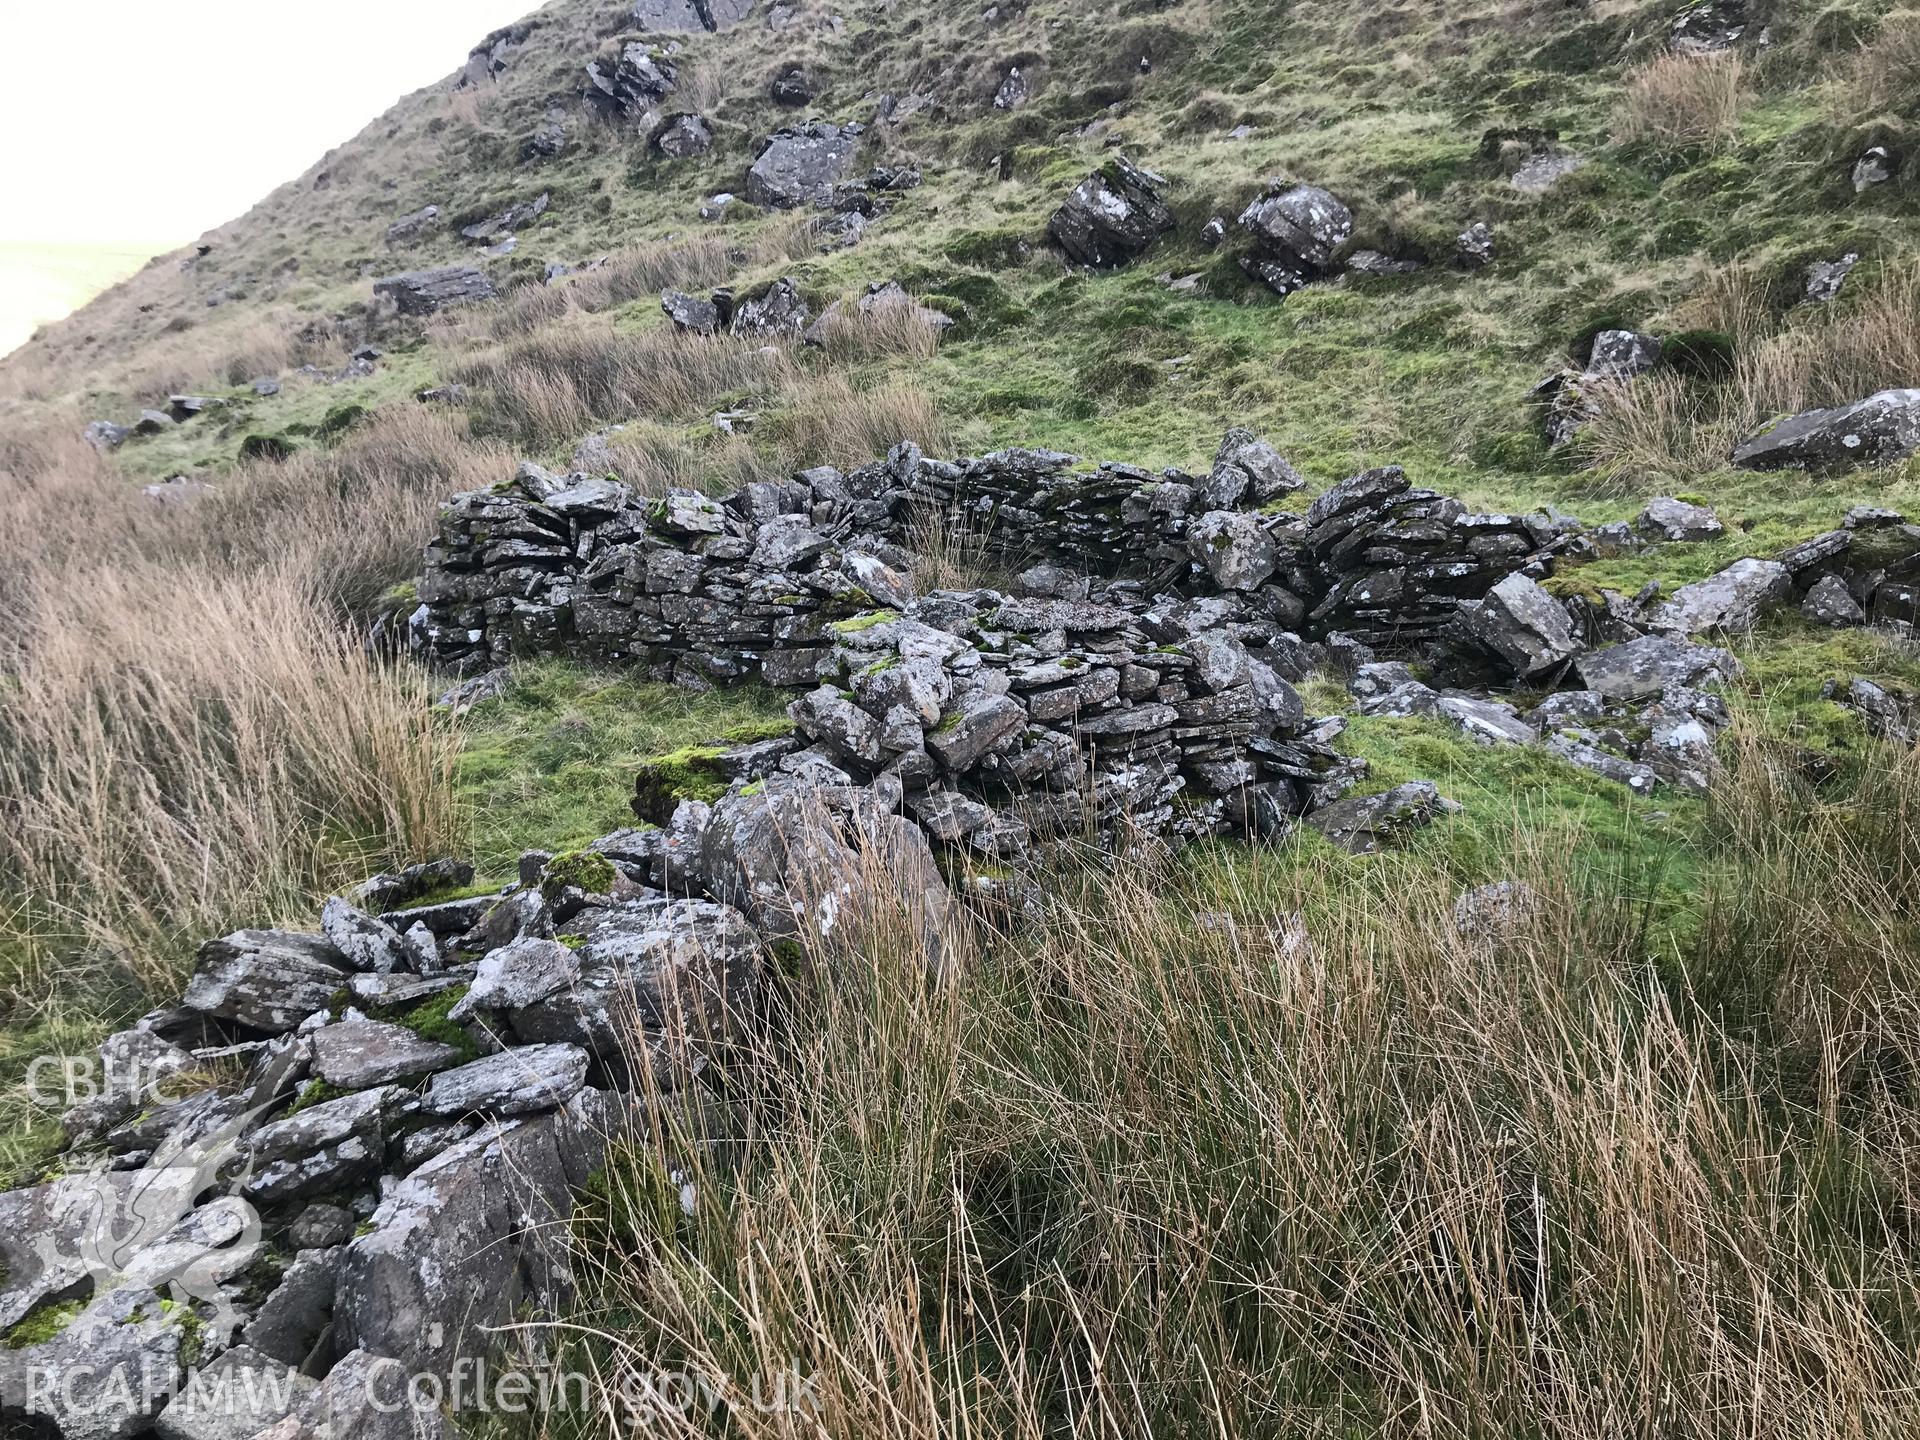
(133, 126)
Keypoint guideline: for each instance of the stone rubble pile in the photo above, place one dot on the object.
(421, 1095)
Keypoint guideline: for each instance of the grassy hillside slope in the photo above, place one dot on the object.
(1247, 1141)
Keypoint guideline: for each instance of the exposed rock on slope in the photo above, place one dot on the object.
(1113, 216)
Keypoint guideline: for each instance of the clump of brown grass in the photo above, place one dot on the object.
(827, 420)
(554, 385)
(1320, 1165)
(654, 459)
(1884, 72)
(1667, 426)
(1676, 101)
(181, 750)
(191, 737)
(848, 335)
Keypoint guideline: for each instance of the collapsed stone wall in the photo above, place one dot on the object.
(713, 591)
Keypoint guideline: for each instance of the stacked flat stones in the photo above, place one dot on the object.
(1391, 565)
(713, 591)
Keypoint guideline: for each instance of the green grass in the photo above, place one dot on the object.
(551, 764)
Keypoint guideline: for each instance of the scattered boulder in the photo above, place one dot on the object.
(1475, 245)
(1678, 521)
(777, 313)
(1644, 667)
(363, 1054)
(1015, 90)
(409, 229)
(1364, 825)
(269, 980)
(1541, 171)
(792, 87)
(1730, 600)
(1878, 430)
(631, 83)
(1824, 277)
(1235, 548)
(424, 292)
(801, 165)
(1874, 167)
(1112, 217)
(1246, 467)
(1830, 602)
(104, 435)
(1622, 354)
(684, 134)
(1526, 627)
(689, 313)
(1706, 28)
(504, 223)
(1296, 229)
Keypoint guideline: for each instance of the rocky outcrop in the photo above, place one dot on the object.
(683, 135)
(489, 60)
(1708, 27)
(1112, 217)
(690, 16)
(1296, 230)
(800, 165)
(424, 292)
(1875, 431)
(632, 82)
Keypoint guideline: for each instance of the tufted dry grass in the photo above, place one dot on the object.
(1321, 1165)
(1676, 101)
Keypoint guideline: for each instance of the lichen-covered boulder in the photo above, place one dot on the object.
(1733, 599)
(1113, 216)
(1522, 624)
(1875, 431)
(801, 164)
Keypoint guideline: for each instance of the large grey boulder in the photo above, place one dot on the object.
(234, 1398)
(363, 942)
(1645, 666)
(1298, 225)
(104, 1376)
(799, 870)
(1707, 27)
(1113, 216)
(1523, 625)
(1362, 826)
(670, 982)
(1487, 722)
(320, 1148)
(1730, 600)
(1622, 354)
(1830, 602)
(1875, 431)
(1678, 521)
(1246, 467)
(683, 135)
(423, 292)
(778, 313)
(267, 979)
(474, 1237)
(801, 164)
